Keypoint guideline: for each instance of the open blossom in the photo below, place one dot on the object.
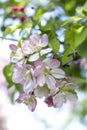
(61, 94)
(22, 74)
(28, 99)
(47, 72)
(18, 54)
(35, 46)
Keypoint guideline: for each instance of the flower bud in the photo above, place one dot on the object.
(15, 8)
(22, 18)
(13, 16)
(21, 9)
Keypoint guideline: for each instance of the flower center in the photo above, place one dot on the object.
(36, 48)
(47, 71)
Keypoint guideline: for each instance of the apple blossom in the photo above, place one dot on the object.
(17, 53)
(22, 74)
(35, 46)
(47, 72)
(28, 99)
(40, 74)
(61, 94)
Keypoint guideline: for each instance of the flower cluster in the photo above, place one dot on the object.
(40, 75)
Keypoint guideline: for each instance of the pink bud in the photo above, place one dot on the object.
(15, 8)
(13, 16)
(22, 18)
(21, 9)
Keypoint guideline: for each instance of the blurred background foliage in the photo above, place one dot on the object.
(65, 22)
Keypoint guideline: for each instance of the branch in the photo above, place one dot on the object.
(9, 39)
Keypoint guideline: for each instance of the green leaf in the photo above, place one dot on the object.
(82, 49)
(7, 71)
(54, 43)
(38, 13)
(74, 38)
(82, 9)
(10, 30)
(64, 57)
(72, 19)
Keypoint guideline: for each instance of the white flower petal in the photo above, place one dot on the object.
(41, 92)
(34, 57)
(71, 85)
(58, 100)
(17, 77)
(27, 47)
(58, 73)
(41, 80)
(52, 63)
(32, 104)
(50, 82)
(34, 39)
(28, 85)
(44, 40)
(45, 51)
(71, 96)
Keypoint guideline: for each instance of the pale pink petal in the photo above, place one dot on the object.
(71, 96)
(28, 85)
(15, 59)
(58, 73)
(59, 84)
(71, 85)
(18, 67)
(34, 39)
(27, 47)
(44, 40)
(58, 100)
(34, 57)
(13, 47)
(45, 51)
(37, 63)
(17, 56)
(17, 77)
(41, 80)
(50, 82)
(52, 63)
(32, 104)
(54, 91)
(21, 97)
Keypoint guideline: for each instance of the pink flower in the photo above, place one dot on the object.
(61, 94)
(28, 99)
(35, 46)
(47, 72)
(22, 74)
(18, 54)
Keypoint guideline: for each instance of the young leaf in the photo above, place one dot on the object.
(10, 30)
(74, 18)
(54, 43)
(82, 49)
